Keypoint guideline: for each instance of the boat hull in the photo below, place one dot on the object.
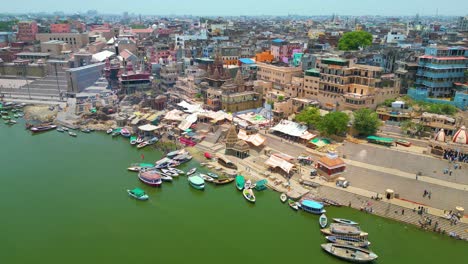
(198, 187)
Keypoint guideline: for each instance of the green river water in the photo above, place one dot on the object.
(64, 200)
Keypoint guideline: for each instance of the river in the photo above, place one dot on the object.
(64, 200)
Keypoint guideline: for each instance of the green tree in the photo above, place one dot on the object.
(334, 123)
(354, 40)
(280, 98)
(411, 127)
(366, 122)
(309, 116)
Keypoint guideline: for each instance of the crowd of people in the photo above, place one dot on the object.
(455, 156)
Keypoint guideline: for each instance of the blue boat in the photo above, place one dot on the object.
(312, 207)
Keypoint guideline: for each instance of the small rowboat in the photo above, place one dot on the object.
(293, 205)
(72, 134)
(60, 130)
(249, 195)
(350, 253)
(323, 221)
(165, 177)
(283, 197)
(176, 170)
(213, 175)
(142, 144)
(191, 171)
(349, 241)
(344, 221)
(138, 194)
(248, 184)
(139, 140)
(403, 142)
(207, 178)
(170, 173)
(223, 181)
(109, 131)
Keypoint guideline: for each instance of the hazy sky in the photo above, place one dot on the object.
(245, 7)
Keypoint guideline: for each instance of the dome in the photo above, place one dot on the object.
(461, 136)
(440, 136)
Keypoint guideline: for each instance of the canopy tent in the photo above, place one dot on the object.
(252, 118)
(308, 136)
(191, 108)
(147, 128)
(290, 128)
(319, 142)
(255, 139)
(174, 115)
(275, 162)
(285, 157)
(184, 125)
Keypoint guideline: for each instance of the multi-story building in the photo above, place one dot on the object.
(75, 40)
(281, 49)
(344, 85)
(463, 24)
(60, 28)
(277, 74)
(27, 31)
(440, 68)
(230, 54)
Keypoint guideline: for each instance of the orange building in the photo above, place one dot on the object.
(265, 56)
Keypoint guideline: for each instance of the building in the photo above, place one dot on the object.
(6, 38)
(230, 54)
(55, 47)
(75, 40)
(33, 56)
(82, 77)
(283, 50)
(60, 28)
(278, 74)
(454, 149)
(22, 68)
(462, 24)
(393, 37)
(27, 31)
(264, 56)
(435, 122)
(440, 68)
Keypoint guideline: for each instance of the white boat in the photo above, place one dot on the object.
(72, 134)
(248, 184)
(293, 205)
(170, 172)
(177, 170)
(166, 177)
(65, 128)
(109, 131)
(191, 171)
(249, 195)
(60, 130)
(283, 197)
(299, 205)
(323, 221)
(213, 175)
(345, 221)
(206, 177)
(139, 140)
(138, 194)
(142, 144)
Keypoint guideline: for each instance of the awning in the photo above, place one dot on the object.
(307, 135)
(290, 128)
(184, 125)
(147, 128)
(255, 139)
(275, 162)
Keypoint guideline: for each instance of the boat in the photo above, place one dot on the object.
(213, 175)
(249, 195)
(323, 221)
(345, 221)
(6, 117)
(15, 116)
(60, 130)
(20, 114)
(125, 133)
(37, 129)
(109, 131)
(174, 153)
(349, 241)
(115, 134)
(283, 197)
(142, 145)
(342, 229)
(176, 170)
(150, 177)
(261, 185)
(331, 202)
(223, 181)
(191, 171)
(197, 182)
(139, 166)
(293, 205)
(72, 134)
(240, 182)
(87, 130)
(133, 140)
(65, 129)
(165, 177)
(403, 142)
(350, 253)
(10, 122)
(153, 140)
(312, 207)
(207, 178)
(248, 184)
(169, 172)
(138, 194)
(299, 205)
(329, 232)
(139, 140)
(208, 155)
(163, 163)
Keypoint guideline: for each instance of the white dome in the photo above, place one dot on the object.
(440, 136)
(461, 136)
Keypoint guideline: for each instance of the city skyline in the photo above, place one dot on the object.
(245, 7)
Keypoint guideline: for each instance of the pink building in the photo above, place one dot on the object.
(60, 28)
(27, 31)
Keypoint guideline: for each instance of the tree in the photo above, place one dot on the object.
(309, 116)
(409, 126)
(334, 123)
(355, 40)
(366, 122)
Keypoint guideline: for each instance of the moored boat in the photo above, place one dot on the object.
(261, 185)
(213, 175)
(345, 221)
(207, 178)
(283, 197)
(170, 172)
(165, 177)
(312, 206)
(197, 182)
(344, 229)
(402, 142)
(223, 181)
(87, 130)
(248, 184)
(138, 194)
(293, 205)
(150, 177)
(249, 195)
(331, 202)
(72, 134)
(59, 129)
(240, 182)
(125, 133)
(350, 253)
(139, 140)
(191, 171)
(349, 241)
(142, 145)
(139, 166)
(37, 129)
(323, 221)
(109, 131)
(133, 140)
(176, 170)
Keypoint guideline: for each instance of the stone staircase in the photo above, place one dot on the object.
(47, 87)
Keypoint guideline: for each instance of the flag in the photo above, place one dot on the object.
(142, 156)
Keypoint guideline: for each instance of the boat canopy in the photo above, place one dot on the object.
(312, 204)
(138, 192)
(261, 183)
(197, 180)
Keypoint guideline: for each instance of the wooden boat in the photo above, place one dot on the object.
(240, 182)
(283, 197)
(109, 131)
(86, 130)
(173, 153)
(299, 205)
(133, 140)
(125, 133)
(312, 207)
(223, 181)
(293, 205)
(170, 173)
(249, 195)
(165, 177)
(59, 129)
(350, 253)
(329, 232)
(139, 140)
(176, 170)
(6, 117)
(191, 171)
(72, 134)
(65, 129)
(207, 178)
(349, 241)
(139, 166)
(331, 202)
(323, 221)
(150, 177)
(344, 229)
(248, 184)
(344, 221)
(197, 182)
(10, 122)
(403, 142)
(213, 175)
(142, 145)
(37, 129)
(138, 194)
(261, 185)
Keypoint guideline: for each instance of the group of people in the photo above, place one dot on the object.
(427, 193)
(454, 156)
